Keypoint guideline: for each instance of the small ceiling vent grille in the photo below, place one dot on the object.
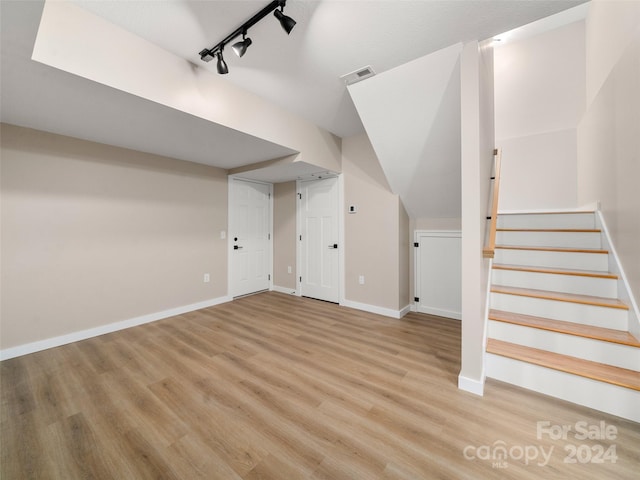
(357, 76)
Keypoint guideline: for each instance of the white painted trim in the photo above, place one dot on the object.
(341, 234)
(625, 293)
(438, 312)
(298, 233)
(437, 233)
(279, 289)
(45, 344)
(405, 310)
(589, 208)
(230, 179)
(365, 307)
(471, 385)
(272, 200)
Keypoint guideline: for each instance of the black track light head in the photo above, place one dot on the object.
(286, 22)
(222, 65)
(275, 6)
(241, 47)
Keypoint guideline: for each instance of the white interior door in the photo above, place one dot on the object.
(438, 267)
(250, 238)
(319, 242)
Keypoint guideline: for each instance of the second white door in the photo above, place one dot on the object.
(438, 267)
(249, 229)
(319, 242)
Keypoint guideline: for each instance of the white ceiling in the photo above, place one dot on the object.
(300, 72)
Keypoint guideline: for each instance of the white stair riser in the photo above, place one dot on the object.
(615, 354)
(605, 397)
(595, 286)
(554, 220)
(571, 260)
(550, 239)
(593, 315)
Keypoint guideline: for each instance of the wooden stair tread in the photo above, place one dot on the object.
(557, 271)
(551, 230)
(596, 371)
(553, 249)
(570, 328)
(561, 296)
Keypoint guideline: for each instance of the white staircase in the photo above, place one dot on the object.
(556, 324)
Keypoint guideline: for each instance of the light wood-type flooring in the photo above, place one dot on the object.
(273, 386)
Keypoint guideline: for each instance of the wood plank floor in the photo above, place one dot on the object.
(273, 386)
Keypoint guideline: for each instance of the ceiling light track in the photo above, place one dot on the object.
(240, 48)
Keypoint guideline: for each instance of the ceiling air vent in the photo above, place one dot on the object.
(357, 76)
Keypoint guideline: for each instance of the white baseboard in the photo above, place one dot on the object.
(438, 312)
(387, 312)
(288, 291)
(405, 310)
(471, 385)
(47, 343)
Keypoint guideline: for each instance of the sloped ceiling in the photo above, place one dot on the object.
(412, 117)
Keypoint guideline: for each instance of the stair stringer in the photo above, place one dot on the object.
(624, 290)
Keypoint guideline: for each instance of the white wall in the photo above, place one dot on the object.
(539, 171)
(610, 26)
(609, 133)
(477, 116)
(412, 115)
(539, 100)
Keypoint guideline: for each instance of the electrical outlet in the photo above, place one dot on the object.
(223, 235)
(207, 278)
(361, 279)
(289, 269)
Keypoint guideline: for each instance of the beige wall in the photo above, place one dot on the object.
(405, 267)
(608, 136)
(284, 235)
(373, 234)
(93, 234)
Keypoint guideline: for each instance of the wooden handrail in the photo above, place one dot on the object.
(489, 249)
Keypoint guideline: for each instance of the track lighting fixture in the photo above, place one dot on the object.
(222, 65)
(287, 22)
(240, 48)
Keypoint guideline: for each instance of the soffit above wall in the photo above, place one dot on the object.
(297, 73)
